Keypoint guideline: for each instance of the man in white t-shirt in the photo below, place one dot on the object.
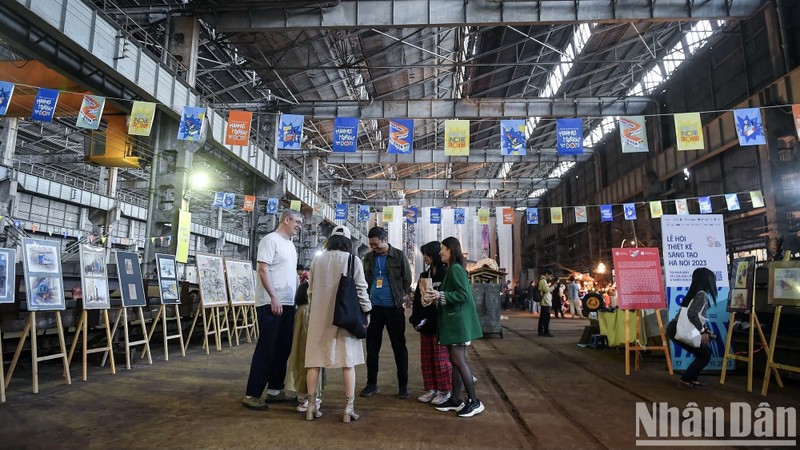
(275, 289)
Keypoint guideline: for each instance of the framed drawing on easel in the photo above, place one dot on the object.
(240, 282)
(167, 279)
(130, 280)
(94, 278)
(42, 263)
(211, 275)
(8, 260)
(784, 283)
(741, 292)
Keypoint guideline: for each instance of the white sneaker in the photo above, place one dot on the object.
(428, 396)
(440, 398)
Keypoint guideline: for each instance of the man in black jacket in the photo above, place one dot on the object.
(388, 275)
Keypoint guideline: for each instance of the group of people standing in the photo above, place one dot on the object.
(296, 325)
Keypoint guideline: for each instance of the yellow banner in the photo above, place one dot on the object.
(483, 216)
(556, 215)
(682, 207)
(388, 213)
(757, 198)
(184, 230)
(141, 122)
(456, 137)
(689, 131)
(295, 205)
(655, 209)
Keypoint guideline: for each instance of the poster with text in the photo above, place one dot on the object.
(581, 216)
(508, 216)
(6, 92)
(690, 242)
(483, 216)
(569, 136)
(43, 279)
(606, 213)
(192, 122)
(556, 215)
(436, 216)
(656, 210)
(238, 130)
(732, 201)
(741, 284)
(8, 265)
(411, 213)
(532, 216)
(94, 278)
(459, 215)
(363, 213)
(272, 205)
(638, 276)
(90, 112)
(401, 136)
(184, 234)
(456, 137)
(141, 121)
(689, 131)
(345, 135)
(749, 126)
(44, 106)
(129, 274)
(341, 211)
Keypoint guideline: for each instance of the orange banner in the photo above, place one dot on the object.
(238, 131)
(249, 202)
(508, 216)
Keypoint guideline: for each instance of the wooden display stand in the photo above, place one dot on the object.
(210, 327)
(30, 328)
(162, 316)
(771, 364)
(754, 324)
(638, 347)
(123, 314)
(83, 330)
(223, 324)
(241, 313)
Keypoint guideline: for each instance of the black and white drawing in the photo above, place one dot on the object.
(241, 284)
(211, 274)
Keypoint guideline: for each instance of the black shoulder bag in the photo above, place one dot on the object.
(347, 312)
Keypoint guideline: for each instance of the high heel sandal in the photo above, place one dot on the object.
(349, 412)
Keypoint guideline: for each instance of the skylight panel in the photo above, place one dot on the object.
(561, 169)
(536, 193)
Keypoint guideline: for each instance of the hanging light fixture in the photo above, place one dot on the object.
(601, 268)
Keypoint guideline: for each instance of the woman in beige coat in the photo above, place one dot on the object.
(328, 345)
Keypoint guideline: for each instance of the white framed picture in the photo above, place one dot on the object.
(167, 279)
(44, 283)
(8, 263)
(94, 278)
(211, 275)
(241, 283)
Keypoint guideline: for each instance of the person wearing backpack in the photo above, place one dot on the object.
(546, 291)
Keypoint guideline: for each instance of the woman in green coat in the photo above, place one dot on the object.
(458, 326)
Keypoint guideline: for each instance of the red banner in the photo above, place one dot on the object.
(508, 216)
(238, 132)
(249, 202)
(640, 284)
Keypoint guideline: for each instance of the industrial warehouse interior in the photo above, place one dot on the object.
(589, 157)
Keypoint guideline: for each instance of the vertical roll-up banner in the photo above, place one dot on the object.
(690, 242)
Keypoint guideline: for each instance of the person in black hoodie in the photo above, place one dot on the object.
(436, 368)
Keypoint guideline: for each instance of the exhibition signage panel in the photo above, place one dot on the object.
(130, 280)
(638, 275)
(43, 280)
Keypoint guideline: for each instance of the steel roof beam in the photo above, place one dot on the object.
(484, 156)
(385, 14)
(480, 108)
(441, 184)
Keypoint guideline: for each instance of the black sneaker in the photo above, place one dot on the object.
(453, 404)
(403, 394)
(472, 408)
(369, 391)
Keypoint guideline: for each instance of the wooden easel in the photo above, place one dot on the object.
(224, 324)
(162, 316)
(754, 323)
(30, 328)
(123, 314)
(251, 310)
(638, 347)
(771, 364)
(210, 327)
(83, 330)
(242, 313)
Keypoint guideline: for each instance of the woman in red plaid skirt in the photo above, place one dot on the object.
(436, 368)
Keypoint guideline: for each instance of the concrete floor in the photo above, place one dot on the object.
(538, 392)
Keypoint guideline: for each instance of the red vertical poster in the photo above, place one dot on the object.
(508, 216)
(796, 117)
(640, 284)
(238, 131)
(249, 202)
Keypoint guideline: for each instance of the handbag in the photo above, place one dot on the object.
(685, 331)
(347, 312)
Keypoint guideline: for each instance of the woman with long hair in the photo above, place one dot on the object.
(434, 359)
(328, 345)
(704, 285)
(458, 326)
